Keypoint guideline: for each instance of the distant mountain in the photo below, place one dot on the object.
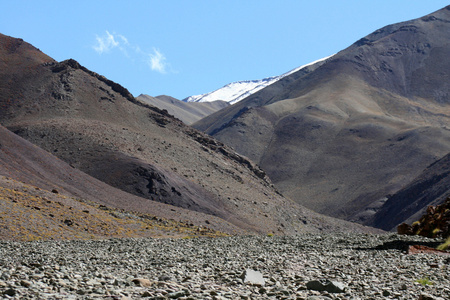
(143, 158)
(236, 91)
(188, 112)
(343, 137)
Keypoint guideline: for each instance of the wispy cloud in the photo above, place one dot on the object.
(155, 59)
(105, 43)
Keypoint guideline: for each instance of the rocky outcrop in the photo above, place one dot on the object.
(64, 65)
(435, 223)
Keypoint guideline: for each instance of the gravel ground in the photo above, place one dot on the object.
(365, 266)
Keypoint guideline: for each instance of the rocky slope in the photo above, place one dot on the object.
(342, 137)
(97, 127)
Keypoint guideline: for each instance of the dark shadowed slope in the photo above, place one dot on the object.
(431, 187)
(96, 126)
(356, 128)
(188, 112)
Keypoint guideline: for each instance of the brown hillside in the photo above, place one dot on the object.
(96, 126)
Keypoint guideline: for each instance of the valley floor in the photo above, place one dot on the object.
(369, 266)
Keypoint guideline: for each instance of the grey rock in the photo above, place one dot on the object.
(425, 296)
(164, 278)
(146, 294)
(176, 295)
(326, 285)
(10, 292)
(253, 277)
(142, 282)
(26, 283)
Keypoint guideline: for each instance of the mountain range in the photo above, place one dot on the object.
(358, 137)
(89, 140)
(346, 136)
(194, 108)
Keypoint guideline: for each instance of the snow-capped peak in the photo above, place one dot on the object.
(236, 91)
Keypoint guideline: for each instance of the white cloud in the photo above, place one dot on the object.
(105, 43)
(157, 61)
(124, 39)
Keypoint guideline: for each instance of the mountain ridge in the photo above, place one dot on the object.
(238, 90)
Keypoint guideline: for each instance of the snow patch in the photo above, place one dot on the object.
(236, 91)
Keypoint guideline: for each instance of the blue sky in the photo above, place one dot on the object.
(182, 48)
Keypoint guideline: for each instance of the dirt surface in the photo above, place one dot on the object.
(29, 213)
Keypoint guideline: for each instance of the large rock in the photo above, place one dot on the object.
(252, 277)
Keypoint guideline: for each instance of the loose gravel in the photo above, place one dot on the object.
(367, 266)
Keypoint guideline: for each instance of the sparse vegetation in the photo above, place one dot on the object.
(445, 245)
(425, 281)
(435, 232)
(30, 214)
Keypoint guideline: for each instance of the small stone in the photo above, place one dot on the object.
(252, 277)
(326, 285)
(424, 296)
(142, 282)
(10, 292)
(176, 295)
(25, 283)
(164, 278)
(146, 294)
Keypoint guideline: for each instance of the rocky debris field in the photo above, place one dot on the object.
(311, 266)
